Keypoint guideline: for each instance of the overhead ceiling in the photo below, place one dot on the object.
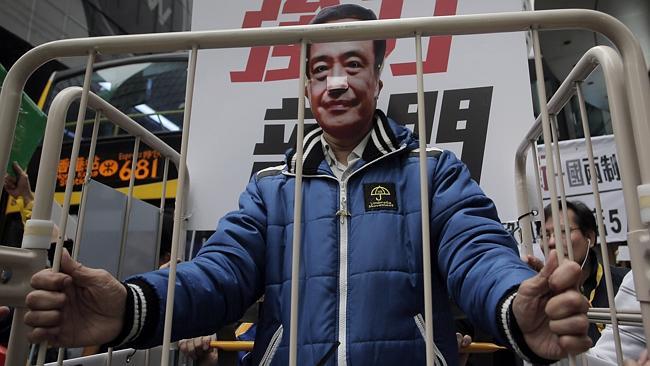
(562, 49)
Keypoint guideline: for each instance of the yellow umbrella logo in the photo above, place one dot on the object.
(379, 192)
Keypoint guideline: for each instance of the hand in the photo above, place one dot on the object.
(199, 349)
(18, 186)
(533, 262)
(76, 307)
(168, 263)
(463, 341)
(550, 311)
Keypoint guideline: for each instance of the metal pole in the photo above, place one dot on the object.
(297, 212)
(125, 226)
(540, 199)
(161, 212)
(601, 226)
(178, 211)
(63, 221)
(548, 141)
(89, 170)
(560, 180)
(525, 219)
(550, 168)
(82, 208)
(127, 213)
(424, 208)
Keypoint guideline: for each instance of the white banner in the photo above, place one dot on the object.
(577, 181)
(477, 93)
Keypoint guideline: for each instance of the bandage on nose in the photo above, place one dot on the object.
(337, 82)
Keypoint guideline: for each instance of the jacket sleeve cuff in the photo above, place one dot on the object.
(510, 330)
(140, 315)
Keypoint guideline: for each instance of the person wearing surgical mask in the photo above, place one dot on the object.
(583, 229)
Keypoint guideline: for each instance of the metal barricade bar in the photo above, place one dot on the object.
(601, 225)
(82, 204)
(424, 209)
(533, 149)
(559, 177)
(180, 206)
(297, 211)
(550, 164)
(546, 132)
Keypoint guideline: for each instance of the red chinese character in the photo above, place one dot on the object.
(437, 56)
(258, 57)
(436, 59)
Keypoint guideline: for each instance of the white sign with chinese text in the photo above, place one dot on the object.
(577, 181)
(477, 97)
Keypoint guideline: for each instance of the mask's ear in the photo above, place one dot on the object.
(380, 85)
(308, 93)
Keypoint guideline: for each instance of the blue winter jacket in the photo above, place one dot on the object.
(361, 280)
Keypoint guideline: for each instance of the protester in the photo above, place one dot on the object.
(361, 281)
(19, 188)
(583, 229)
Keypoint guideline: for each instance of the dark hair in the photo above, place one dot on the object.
(584, 217)
(351, 11)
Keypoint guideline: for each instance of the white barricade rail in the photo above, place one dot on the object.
(634, 79)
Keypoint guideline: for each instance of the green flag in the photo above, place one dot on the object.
(30, 129)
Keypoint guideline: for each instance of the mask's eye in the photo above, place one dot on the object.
(319, 71)
(355, 64)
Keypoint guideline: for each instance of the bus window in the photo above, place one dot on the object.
(150, 89)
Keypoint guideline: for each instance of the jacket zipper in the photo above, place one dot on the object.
(344, 216)
(440, 359)
(419, 321)
(272, 347)
(343, 273)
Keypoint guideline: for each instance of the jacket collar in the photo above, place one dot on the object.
(382, 141)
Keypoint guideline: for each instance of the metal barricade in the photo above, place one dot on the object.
(612, 68)
(45, 183)
(635, 82)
